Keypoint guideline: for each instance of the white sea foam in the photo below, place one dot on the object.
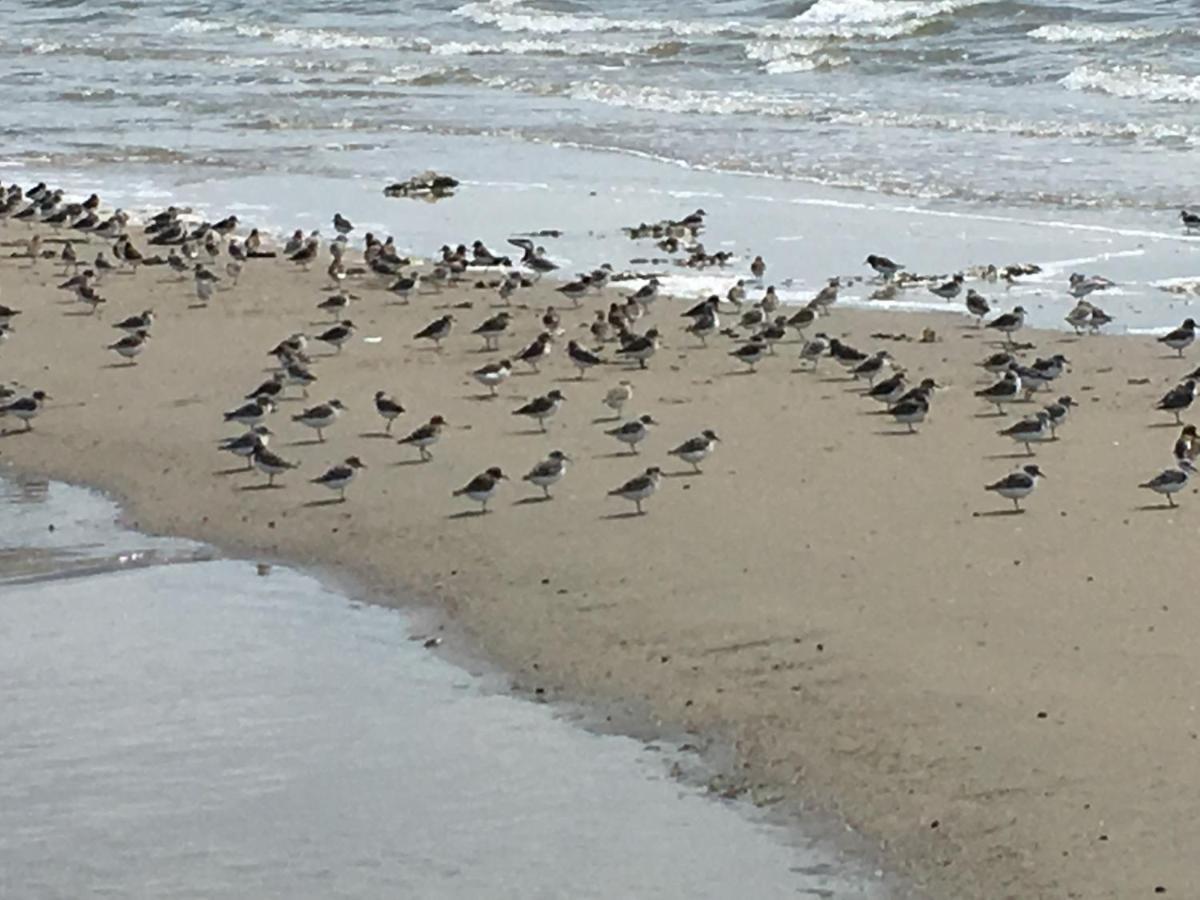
(1135, 83)
(197, 26)
(540, 47)
(878, 19)
(1092, 34)
(653, 98)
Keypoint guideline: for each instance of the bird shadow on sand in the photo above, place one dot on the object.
(528, 432)
(997, 513)
(737, 372)
(1011, 456)
(374, 435)
(604, 420)
(1165, 425)
(480, 398)
(128, 365)
(991, 415)
(80, 312)
(616, 454)
(468, 514)
(411, 462)
(311, 442)
(623, 515)
(1155, 507)
(262, 487)
(528, 501)
(896, 433)
(683, 473)
(333, 501)
(13, 432)
(233, 471)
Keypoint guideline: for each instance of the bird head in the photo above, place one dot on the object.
(355, 463)
(1034, 471)
(495, 472)
(711, 435)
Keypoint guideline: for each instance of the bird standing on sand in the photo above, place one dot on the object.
(338, 478)
(320, 417)
(337, 335)
(1181, 338)
(633, 432)
(751, 354)
(26, 409)
(1030, 431)
(647, 293)
(641, 348)
(131, 346)
(271, 464)
(978, 306)
(482, 487)
(491, 330)
(948, 290)
(542, 408)
(1187, 446)
(425, 437)
(133, 324)
(388, 409)
(618, 396)
(1009, 324)
(639, 489)
(245, 445)
(1017, 486)
(437, 331)
(252, 413)
(549, 471)
(582, 358)
(813, 350)
(536, 351)
(697, 449)
(1178, 399)
(1171, 481)
(1003, 392)
(1057, 413)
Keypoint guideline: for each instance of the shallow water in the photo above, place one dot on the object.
(176, 727)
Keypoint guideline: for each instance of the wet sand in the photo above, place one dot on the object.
(1002, 702)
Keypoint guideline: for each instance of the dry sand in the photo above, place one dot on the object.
(1005, 703)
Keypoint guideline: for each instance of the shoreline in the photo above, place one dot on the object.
(792, 608)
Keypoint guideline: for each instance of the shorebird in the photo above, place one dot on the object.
(1178, 399)
(542, 408)
(482, 487)
(582, 358)
(491, 330)
(404, 285)
(647, 293)
(618, 396)
(1003, 392)
(802, 320)
(338, 478)
(388, 409)
(873, 366)
(641, 348)
(1170, 481)
(883, 266)
(697, 449)
(26, 408)
(131, 346)
(705, 324)
(337, 335)
(320, 417)
(245, 445)
(633, 432)
(890, 390)
(978, 306)
(536, 351)
(425, 437)
(639, 489)
(1080, 285)
(271, 464)
(296, 374)
(1019, 485)
(758, 268)
(7, 314)
(493, 375)
(549, 471)
(1080, 317)
(911, 411)
(252, 413)
(1009, 324)
(341, 224)
(574, 290)
(813, 350)
(1030, 431)
(1099, 319)
(948, 290)
(848, 356)
(1191, 221)
(336, 304)
(999, 363)
(1187, 446)
(133, 324)
(437, 330)
(1181, 338)
(751, 354)
(1058, 412)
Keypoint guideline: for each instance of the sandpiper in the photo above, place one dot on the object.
(491, 330)
(549, 471)
(337, 335)
(890, 389)
(1003, 392)
(271, 464)
(341, 224)
(437, 330)
(252, 413)
(751, 354)
(388, 409)
(542, 408)
(583, 358)
(493, 375)
(647, 293)
(873, 366)
(1018, 485)
(1058, 412)
(1170, 481)
(633, 432)
(131, 346)
(883, 266)
(1181, 338)
(338, 478)
(814, 349)
(425, 437)
(1009, 324)
(245, 445)
(978, 306)
(536, 351)
(697, 449)
(26, 408)
(1178, 399)
(618, 396)
(758, 268)
(1191, 220)
(320, 417)
(912, 411)
(482, 487)
(641, 348)
(639, 489)
(1030, 431)
(948, 290)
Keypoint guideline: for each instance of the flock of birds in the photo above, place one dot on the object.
(211, 255)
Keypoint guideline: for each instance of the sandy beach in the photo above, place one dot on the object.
(1002, 703)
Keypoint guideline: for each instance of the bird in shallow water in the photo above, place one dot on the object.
(338, 478)
(1018, 485)
(482, 487)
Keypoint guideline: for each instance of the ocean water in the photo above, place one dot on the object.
(175, 726)
(1059, 133)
